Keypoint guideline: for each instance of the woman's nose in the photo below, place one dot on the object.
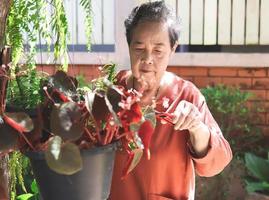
(147, 58)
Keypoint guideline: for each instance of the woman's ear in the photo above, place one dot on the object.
(173, 50)
(175, 47)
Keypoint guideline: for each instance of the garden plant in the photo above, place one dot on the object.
(55, 114)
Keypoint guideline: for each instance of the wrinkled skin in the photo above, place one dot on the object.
(150, 51)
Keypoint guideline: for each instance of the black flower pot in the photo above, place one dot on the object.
(91, 183)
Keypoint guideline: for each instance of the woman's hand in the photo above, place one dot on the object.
(188, 117)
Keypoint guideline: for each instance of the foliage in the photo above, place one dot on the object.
(34, 195)
(228, 185)
(258, 168)
(25, 19)
(236, 117)
(60, 28)
(109, 69)
(87, 5)
(24, 90)
(20, 174)
(68, 121)
(28, 23)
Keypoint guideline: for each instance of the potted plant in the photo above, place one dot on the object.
(257, 184)
(67, 123)
(74, 127)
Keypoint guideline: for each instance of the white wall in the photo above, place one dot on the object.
(121, 56)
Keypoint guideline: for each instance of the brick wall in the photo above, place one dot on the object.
(89, 71)
(255, 80)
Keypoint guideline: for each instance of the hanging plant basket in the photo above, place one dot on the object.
(91, 183)
(71, 137)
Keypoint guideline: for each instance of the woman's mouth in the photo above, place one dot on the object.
(146, 71)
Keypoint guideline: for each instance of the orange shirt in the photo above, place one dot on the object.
(170, 173)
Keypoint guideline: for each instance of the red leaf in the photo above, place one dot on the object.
(18, 128)
(145, 132)
(133, 115)
(14, 124)
(62, 96)
(66, 121)
(100, 110)
(8, 138)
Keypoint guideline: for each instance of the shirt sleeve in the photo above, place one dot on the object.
(219, 152)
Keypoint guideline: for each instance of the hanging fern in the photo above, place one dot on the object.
(60, 29)
(25, 22)
(15, 25)
(28, 22)
(18, 167)
(87, 5)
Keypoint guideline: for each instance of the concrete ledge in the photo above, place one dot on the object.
(221, 59)
(179, 59)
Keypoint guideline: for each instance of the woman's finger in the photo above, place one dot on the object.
(181, 114)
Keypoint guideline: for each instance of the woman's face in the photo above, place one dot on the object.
(150, 52)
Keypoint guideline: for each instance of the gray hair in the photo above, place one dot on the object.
(156, 11)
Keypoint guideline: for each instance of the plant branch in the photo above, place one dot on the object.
(4, 11)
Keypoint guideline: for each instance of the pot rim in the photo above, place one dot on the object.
(39, 155)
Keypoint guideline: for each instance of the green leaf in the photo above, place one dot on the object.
(149, 114)
(257, 187)
(34, 187)
(259, 167)
(24, 196)
(68, 162)
(133, 160)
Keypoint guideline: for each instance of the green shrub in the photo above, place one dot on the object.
(236, 117)
(258, 168)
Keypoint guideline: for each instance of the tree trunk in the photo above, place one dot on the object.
(4, 191)
(4, 10)
(5, 58)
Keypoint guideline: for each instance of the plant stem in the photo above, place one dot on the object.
(19, 83)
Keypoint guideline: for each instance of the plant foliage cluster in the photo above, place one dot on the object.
(236, 116)
(237, 119)
(28, 23)
(258, 181)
